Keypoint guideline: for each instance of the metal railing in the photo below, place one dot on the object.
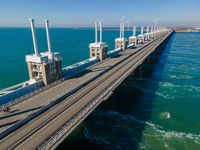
(19, 99)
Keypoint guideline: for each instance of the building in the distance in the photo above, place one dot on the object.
(98, 49)
(45, 66)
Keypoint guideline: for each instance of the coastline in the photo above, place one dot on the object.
(185, 30)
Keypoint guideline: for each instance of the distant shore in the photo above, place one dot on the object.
(187, 30)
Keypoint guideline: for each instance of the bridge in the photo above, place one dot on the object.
(45, 119)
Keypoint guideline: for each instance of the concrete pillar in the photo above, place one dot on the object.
(100, 27)
(34, 36)
(96, 32)
(48, 35)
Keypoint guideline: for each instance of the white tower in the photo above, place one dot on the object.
(48, 35)
(121, 42)
(141, 36)
(151, 32)
(98, 49)
(34, 37)
(45, 66)
(146, 35)
(133, 38)
(155, 30)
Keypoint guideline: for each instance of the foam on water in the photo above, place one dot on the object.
(165, 115)
(117, 121)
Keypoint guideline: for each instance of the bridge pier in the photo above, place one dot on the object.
(98, 49)
(121, 42)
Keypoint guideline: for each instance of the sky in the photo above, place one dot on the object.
(81, 13)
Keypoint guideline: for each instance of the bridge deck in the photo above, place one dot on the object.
(41, 128)
(27, 107)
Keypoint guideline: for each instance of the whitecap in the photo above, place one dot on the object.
(166, 84)
(123, 123)
(158, 128)
(165, 115)
(179, 77)
(164, 95)
(126, 117)
(174, 134)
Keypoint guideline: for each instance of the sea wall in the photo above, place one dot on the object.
(20, 92)
(114, 52)
(78, 67)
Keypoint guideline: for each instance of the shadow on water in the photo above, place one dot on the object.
(119, 122)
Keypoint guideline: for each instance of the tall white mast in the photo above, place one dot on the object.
(100, 27)
(120, 30)
(134, 30)
(147, 29)
(96, 32)
(123, 29)
(34, 37)
(142, 28)
(48, 35)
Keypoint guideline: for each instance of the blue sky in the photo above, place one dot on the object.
(85, 12)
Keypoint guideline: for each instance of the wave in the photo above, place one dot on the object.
(165, 95)
(121, 117)
(165, 115)
(174, 134)
(180, 77)
(172, 85)
(169, 90)
(166, 84)
(115, 123)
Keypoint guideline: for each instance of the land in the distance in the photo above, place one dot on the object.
(187, 29)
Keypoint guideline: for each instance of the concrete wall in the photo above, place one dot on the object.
(20, 92)
(71, 71)
(113, 53)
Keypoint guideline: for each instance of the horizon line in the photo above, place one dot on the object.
(89, 26)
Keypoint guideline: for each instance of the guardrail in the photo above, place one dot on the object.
(17, 100)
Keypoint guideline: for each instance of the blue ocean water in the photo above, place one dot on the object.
(155, 108)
